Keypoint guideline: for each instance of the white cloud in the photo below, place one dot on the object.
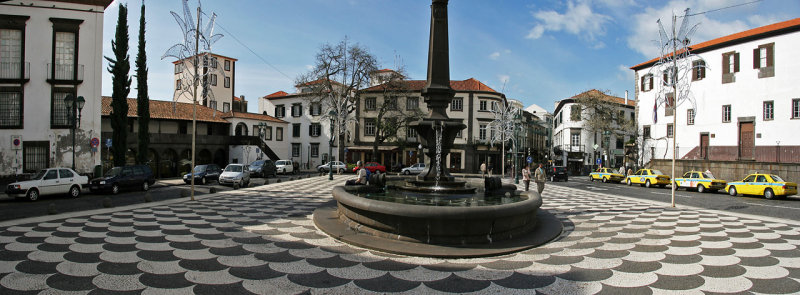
(309, 67)
(578, 19)
(494, 55)
(624, 73)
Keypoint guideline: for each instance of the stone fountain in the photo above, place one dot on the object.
(434, 214)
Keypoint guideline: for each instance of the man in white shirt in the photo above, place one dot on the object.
(361, 173)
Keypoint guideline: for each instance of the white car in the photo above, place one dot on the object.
(50, 181)
(337, 166)
(235, 174)
(413, 169)
(284, 166)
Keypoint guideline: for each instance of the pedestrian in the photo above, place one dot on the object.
(621, 169)
(540, 177)
(526, 176)
(630, 171)
(490, 168)
(362, 176)
(483, 169)
(708, 173)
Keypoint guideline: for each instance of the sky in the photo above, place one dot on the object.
(537, 52)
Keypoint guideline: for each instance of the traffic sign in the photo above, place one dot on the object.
(94, 142)
(530, 159)
(599, 161)
(108, 142)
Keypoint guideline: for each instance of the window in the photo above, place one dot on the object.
(575, 112)
(295, 150)
(315, 109)
(227, 65)
(411, 133)
(370, 103)
(11, 64)
(297, 110)
(698, 70)
(268, 133)
(769, 110)
(726, 113)
(212, 104)
(391, 103)
(315, 129)
(179, 67)
(796, 108)
(575, 137)
(59, 115)
(182, 128)
(65, 48)
(730, 65)
(35, 155)
(10, 107)
(213, 62)
(280, 111)
(212, 79)
(646, 131)
(369, 127)
(483, 104)
(646, 83)
(482, 132)
(412, 103)
(315, 150)
(226, 107)
(178, 84)
(764, 60)
(690, 117)
(227, 82)
(457, 104)
(669, 109)
(64, 173)
(279, 133)
(669, 130)
(494, 106)
(669, 76)
(296, 130)
(619, 142)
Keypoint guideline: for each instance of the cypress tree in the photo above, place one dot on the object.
(142, 98)
(119, 67)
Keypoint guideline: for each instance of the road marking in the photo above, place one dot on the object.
(783, 207)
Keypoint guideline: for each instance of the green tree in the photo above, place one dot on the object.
(119, 66)
(142, 98)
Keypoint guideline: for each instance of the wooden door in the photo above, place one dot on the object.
(746, 140)
(704, 146)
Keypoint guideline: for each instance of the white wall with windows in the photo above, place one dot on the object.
(220, 72)
(306, 137)
(48, 50)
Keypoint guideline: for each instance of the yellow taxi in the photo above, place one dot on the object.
(606, 175)
(701, 181)
(648, 178)
(767, 185)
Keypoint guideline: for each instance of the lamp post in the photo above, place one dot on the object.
(332, 117)
(517, 126)
(74, 108)
(419, 153)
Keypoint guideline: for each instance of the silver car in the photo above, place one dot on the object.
(413, 169)
(235, 174)
(338, 166)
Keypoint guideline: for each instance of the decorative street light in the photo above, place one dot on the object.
(419, 154)
(332, 117)
(517, 127)
(74, 108)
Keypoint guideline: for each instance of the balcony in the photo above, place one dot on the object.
(14, 72)
(64, 74)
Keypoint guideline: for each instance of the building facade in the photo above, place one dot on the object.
(744, 105)
(50, 50)
(220, 74)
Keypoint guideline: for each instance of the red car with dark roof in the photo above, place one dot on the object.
(372, 167)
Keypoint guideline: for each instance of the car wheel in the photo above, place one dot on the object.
(146, 186)
(647, 184)
(732, 191)
(203, 180)
(321, 170)
(591, 178)
(769, 194)
(74, 191)
(629, 182)
(33, 194)
(700, 188)
(406, 172)
(605, 179)
(115, 189)
(341, 171)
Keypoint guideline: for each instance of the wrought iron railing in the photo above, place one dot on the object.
(15, 70)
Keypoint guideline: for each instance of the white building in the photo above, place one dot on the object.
(260, 125)
(546, 122)
(577, 146)
(746, 102)
(49, 50)
(220, 73)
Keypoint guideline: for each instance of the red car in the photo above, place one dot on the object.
(372, 167)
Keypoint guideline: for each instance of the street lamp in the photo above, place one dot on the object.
(332, 116)
(74, 108)
(517, 127)
(419, 154)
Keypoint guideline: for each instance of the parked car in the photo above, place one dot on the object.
(372, 167)
(648, 178)
(413, 169)
(263, 168)
(699, 180)
(50, 181)
(285, 166)
(125, 177)
(606, 175)
(203, 174)
(338, 166)
(235, 174)
(767, 185)
(556, 173)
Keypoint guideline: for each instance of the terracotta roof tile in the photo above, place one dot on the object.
(791, 25)
(470, 84)
(595, 92)
(253, 116)
(160, 109)
(277, 94)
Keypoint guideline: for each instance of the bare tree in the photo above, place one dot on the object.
(391, 117)
(340, 71)
(602, 114)
(502, 128)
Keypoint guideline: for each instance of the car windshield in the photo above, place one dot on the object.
(656, 172)
(233, 168)
(281, 163)
(777, 178)
(40, 174)
(114, 171)
(257, 163)
(709, 176)
(200, 168)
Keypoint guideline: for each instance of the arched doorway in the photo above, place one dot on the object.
(220, 158)
(167, 165)
(152, 161)
(204, 157)
(185, 162)
(241, 129)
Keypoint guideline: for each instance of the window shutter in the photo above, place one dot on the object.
(771, 54)
(310, 129)
(703, 70)
(641, 83)
(726, 63)
(695, 69)
(651, 81)
(756, 57)
(665, 77)
(736, 62)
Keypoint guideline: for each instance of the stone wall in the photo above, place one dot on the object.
(730, 170)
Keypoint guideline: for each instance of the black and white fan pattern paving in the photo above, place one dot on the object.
(262, 240)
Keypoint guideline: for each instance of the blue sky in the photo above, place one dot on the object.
(537, 52)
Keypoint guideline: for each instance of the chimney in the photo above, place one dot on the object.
(626, 97)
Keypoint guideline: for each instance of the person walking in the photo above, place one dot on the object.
(489, 169)
(483, 169)
(526, 176)
(540, 177)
